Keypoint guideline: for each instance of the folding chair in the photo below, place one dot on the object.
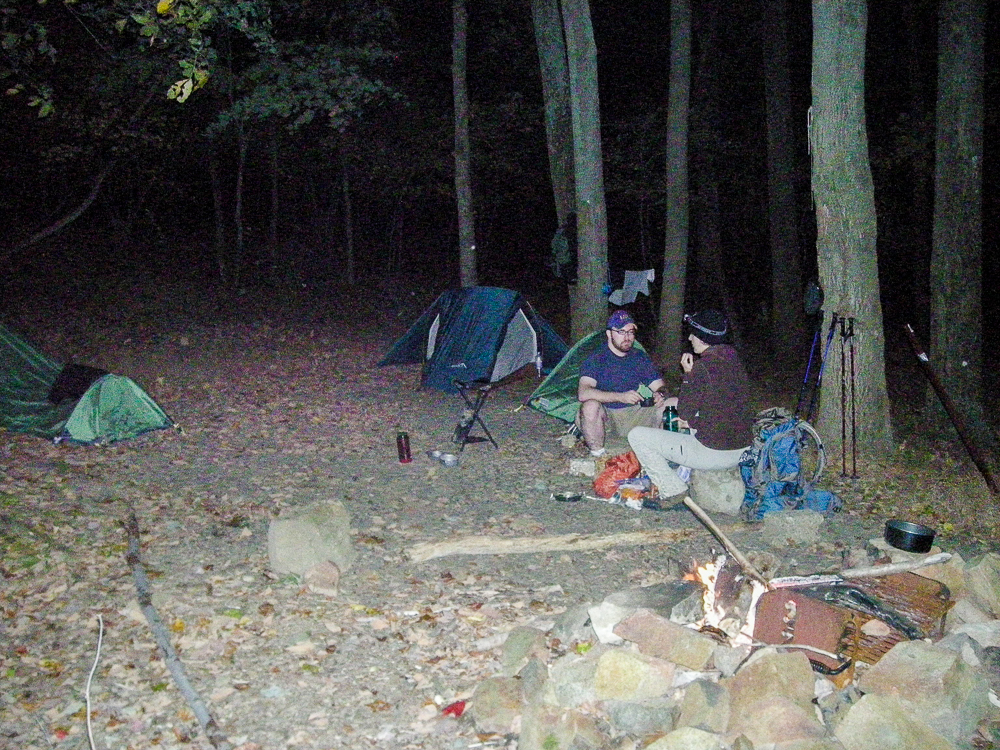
(474, 393)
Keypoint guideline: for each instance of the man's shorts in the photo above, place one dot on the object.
(624, 419)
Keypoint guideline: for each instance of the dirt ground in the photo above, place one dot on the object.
(279, 415)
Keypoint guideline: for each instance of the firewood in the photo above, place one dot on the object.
(496, 545)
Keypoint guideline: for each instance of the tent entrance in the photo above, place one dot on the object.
(520, 344)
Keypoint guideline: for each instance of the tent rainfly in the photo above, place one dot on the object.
(477, 333)
(556, 395)
(39, 396)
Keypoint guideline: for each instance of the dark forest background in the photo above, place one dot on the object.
(378, 175)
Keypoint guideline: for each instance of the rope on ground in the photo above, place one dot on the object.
(90, 679)
(212, 730)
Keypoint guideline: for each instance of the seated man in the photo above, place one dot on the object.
(609, 383)
(713, 402)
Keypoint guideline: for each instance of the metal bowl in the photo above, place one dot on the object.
(910, 537)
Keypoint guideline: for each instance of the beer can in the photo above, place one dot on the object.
(403, 447)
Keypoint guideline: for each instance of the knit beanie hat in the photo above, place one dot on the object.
(710, 326)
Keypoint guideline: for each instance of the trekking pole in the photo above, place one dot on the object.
(854, 414)
(843, 397)
(804, 389)
(822, 366)
(956, 419)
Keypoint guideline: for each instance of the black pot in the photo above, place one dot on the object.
(911, 537)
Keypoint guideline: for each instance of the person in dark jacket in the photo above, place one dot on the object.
(713, 402)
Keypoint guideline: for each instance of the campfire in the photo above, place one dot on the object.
(729, 598)
(836, 619)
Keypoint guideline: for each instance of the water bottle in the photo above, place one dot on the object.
(670, 419)
(403, 447)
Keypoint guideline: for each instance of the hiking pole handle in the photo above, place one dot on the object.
(956, 419)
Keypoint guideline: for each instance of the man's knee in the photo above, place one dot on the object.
(591, 411)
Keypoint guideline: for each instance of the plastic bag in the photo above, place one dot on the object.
(617, 470)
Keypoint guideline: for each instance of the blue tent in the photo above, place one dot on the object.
(477, 333)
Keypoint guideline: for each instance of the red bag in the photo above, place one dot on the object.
(618, 469)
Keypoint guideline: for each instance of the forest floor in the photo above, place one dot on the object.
(279, 415)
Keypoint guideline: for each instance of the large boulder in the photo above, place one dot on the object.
(299, 542)
(718, 491)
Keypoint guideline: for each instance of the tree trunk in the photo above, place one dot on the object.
(463, 165)
(588, 301)
(709, 289)
(241, 162)
(218, 206)
(348, 221)
(272, 228)
(555, 93)
(956, 258)
(669, 325)
(787, 314)
(845, 219)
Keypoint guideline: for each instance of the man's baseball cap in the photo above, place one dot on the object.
(619, 319)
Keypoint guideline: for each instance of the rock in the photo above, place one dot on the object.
(965, 646)
(546, 727)
(880, 721)
(661, 597)
(964, 612)
(497, 704)
(659, 637)
(322, 534)
(951, 574)
(624, 675)
(933, 685)
(534, 676)
(776, 718)
(718, 491)
(604, 617)
(680, 601)
(835, 705)
(688, 738)
(323, 578)
(983, 582)
(768, 674)
(571, 678)
(705, 706)
(824, 743)
(642, 718)
(791, 527)
(727, 659)
(582, 467)
(523, 643)
(573, 625)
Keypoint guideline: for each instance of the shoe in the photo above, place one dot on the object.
(597, 452)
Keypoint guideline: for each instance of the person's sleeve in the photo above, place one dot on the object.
(690, 396)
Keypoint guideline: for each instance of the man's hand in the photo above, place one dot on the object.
(687, 361)
(629, 397)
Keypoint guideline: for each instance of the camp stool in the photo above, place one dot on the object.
(474, 393)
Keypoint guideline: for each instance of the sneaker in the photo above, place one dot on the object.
(597, 452)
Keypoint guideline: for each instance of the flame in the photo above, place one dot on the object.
(740, 632)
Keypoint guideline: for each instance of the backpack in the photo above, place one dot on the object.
(772, 468)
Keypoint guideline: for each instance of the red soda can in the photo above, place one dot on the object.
(403, 447)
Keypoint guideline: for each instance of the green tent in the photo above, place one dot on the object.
(476, 333)
(42, 397)
(556, 396)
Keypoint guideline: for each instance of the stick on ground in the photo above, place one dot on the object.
(212, 730)
(496, 545)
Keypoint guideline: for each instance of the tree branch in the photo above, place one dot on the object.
(212, 730)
